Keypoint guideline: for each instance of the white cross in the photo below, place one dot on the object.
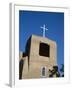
(44, 29)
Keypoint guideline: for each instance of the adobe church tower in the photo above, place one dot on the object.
(40, 56)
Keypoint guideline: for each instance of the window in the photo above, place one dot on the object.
(43, 71)
(44, 50)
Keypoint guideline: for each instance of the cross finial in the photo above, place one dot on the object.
(44, 29)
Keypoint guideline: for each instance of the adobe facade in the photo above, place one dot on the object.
(40, 56)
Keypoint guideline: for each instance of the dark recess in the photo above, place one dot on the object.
(44, 50)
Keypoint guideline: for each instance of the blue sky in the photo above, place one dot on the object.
(30, 23)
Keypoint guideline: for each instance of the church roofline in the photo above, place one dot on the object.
(33, 35)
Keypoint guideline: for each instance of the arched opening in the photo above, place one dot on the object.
(43, 71)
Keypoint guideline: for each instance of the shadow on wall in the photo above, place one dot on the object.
(21, 68)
